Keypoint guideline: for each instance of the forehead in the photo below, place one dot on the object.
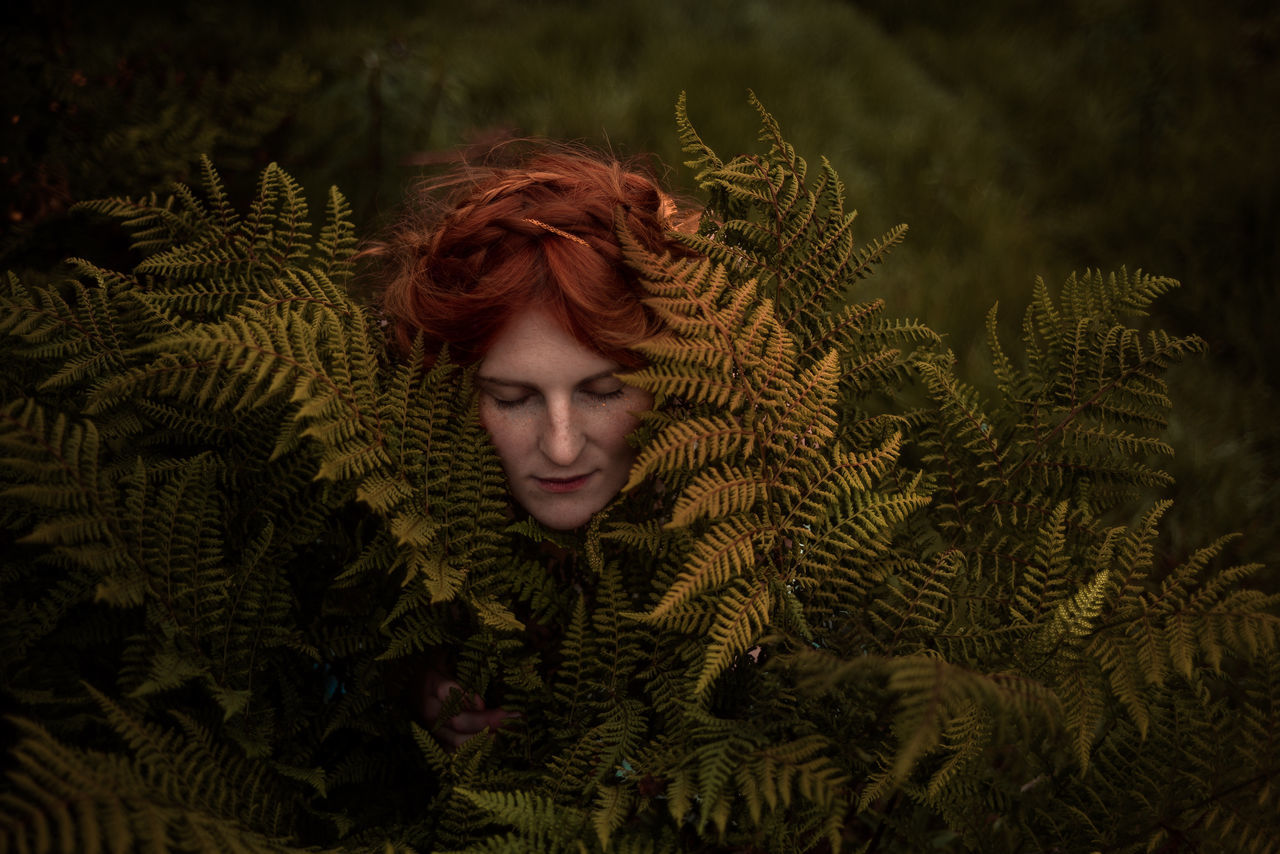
(533, 348)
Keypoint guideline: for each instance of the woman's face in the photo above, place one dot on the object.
(559, 419)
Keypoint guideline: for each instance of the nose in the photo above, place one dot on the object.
(562, 437)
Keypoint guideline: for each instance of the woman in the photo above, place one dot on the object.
(520, 270)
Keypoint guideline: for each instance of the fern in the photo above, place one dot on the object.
(817, 618)
(171, 793)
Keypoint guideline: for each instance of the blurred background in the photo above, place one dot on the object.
(1017, 140)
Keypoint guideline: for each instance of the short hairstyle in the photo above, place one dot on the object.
(486, 244)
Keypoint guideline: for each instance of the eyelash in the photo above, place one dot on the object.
(521, 401)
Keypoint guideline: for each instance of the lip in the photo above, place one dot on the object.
(563, 484)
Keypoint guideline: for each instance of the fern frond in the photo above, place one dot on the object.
(743, 612)
(718, 493)
(338, 240)
(728, 550)
(156, 224)
(53, 467)
(914, 607)
(543, 824)
(80, 328)
(704, 159)
(691, 444)
(775, 774)
(66, 799)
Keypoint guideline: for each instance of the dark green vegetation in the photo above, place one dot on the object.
(235, 699)
(821, 617)
(1015, 142)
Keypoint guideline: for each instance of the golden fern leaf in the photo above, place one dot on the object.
(846, 473)
(691, 444)
(804, 410)
(851, 541)
(727, 551)
(717, 494)
(742, 613)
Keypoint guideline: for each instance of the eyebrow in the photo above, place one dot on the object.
(608, 372)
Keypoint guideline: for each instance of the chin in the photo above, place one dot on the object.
(563, 520)
(568, 511)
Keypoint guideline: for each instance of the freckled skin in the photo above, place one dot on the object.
(559, 419)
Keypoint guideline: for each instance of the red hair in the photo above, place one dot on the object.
(539, 235)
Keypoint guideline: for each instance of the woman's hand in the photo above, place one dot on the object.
(474, 718)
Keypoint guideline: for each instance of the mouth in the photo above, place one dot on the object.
(563, 484)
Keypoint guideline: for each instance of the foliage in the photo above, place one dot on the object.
(847, 601)
(91, 111)
(1012, 136)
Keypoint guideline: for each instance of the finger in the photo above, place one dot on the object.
(477, 721)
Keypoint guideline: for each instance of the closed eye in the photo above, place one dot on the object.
(513, 403)
(525, 399)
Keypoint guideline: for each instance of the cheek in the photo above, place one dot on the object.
(617, 427)
(619, 423)
(509, 433)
